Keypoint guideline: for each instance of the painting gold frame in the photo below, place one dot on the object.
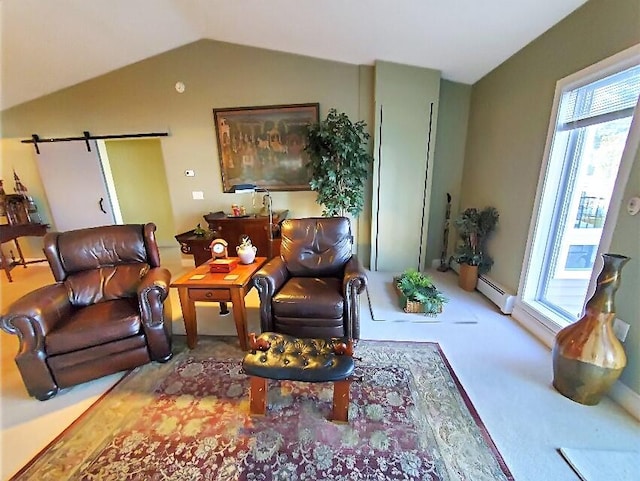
(264, 146)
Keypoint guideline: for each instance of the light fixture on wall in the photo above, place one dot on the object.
(252, 188)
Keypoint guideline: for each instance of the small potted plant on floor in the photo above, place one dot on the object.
(418, 293)
(474, 227)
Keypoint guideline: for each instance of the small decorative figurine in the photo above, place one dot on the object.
(258, 344)
(199, 231)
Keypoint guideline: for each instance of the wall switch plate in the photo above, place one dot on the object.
(620, 329)
(190, 173)
(197, 195)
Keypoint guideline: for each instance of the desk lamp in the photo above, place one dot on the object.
(252, 188)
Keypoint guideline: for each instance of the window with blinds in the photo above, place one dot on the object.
(594, 115)
(608, 99)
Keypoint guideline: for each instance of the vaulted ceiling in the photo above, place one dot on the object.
(47, 45)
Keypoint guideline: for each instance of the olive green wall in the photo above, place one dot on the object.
(626, 241)
(141, 98)
(18, 156)
(447, 170)
(405, 136)
(141, 185)
(367, 113)
(509, 118)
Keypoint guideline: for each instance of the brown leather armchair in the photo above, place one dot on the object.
(106, 312)
(312, 289)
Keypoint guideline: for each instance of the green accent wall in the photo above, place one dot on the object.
(406, 100)
(626, 240)
(16, 155)
(141, 185)
(509, 119)
(367, 113)
(448, 165)
(141, 98)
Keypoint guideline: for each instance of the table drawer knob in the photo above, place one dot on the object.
(210, 295)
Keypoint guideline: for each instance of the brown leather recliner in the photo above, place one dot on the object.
(106, 312)
(312, 289)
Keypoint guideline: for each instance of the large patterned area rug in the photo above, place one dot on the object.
(189, 420)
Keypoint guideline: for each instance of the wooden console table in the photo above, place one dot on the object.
(200, 285)
(197, 246)
(11, 232)
(231, 229)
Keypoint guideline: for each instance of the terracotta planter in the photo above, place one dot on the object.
(468, 277)
(587, 356)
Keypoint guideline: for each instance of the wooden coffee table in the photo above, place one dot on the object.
(200, 285)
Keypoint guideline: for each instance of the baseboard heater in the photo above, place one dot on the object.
(492, 291)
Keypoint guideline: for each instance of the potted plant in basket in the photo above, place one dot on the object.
(418, 293)
(474, 227)
(339, 163)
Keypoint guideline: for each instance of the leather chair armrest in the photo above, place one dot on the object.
(152, 292)
(35, 314)
(267, 281)
(355, 277)
(31, 318)
(353, 284)
(155, 312)
(271, 277)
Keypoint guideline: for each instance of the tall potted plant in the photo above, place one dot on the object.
(339, 163)
(474, 227)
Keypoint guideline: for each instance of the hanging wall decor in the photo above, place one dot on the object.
(264, 146)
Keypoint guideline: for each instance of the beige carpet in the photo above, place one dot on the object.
(603, 465)
(384, 302)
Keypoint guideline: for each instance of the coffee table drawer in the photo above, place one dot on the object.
(209, 295)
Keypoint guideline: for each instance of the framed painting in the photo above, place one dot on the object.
(264, 146)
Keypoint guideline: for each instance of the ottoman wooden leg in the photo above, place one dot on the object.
(341, 401)
(258, 395)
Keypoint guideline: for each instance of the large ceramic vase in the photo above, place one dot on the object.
(587, 356)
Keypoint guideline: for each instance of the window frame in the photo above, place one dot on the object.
(535, 316)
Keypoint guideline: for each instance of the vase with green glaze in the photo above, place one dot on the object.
(587, 356)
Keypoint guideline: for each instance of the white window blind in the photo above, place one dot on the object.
(609, 99)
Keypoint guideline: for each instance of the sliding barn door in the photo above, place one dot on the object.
(75, 185)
